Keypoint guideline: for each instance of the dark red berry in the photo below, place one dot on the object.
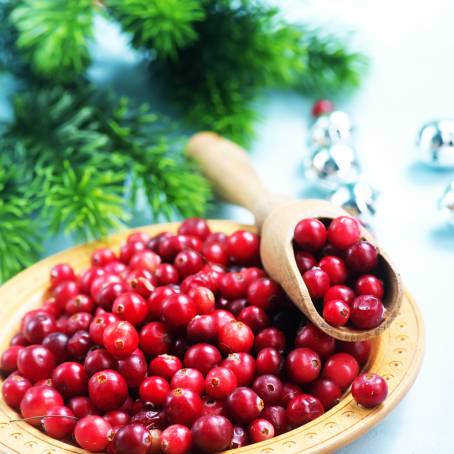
(77, 322)
(38, 327)
(190, 379)
(303, 365)
(108, 292)
(335, 267)
(9, 358)
(79, 344)
(212, 433)
(59, 422)
(367, 312)
(260, 429)
(204, 299)
(326, 391)
(269, 388)
(64, 291)
(80, 303)
(13, 390)
(178, 310)
(147, 260)
(369, 389)
(188, 262)
(99, 324)
(317, 282)
(360, 350)
(362, 257)
(270, 337)
(81, 406)
(98, 360)
(212, 406)
(107, 390)
(202, 328)
(289, 391)
(244, 247)
(310, 234)
(154, 390)
(277, 416)
(304, 261)
(233, 286)
(196, 227)
(202, 357)
(167, 274)
(133, 368)
(132, 439)
(60, 273)
(269, 361)
(341, 292)
(183, 406)
(35, 362)
(156, 299)
(311, 337)
(216, 253)
(165, 366)
(154, 339)
(37, 401)
(302, 409)
(176, 439)
(244, 405)
(262, 292)
(70, 379)
(255, 317)
(242, 365)
(239, 438)
(220, 382)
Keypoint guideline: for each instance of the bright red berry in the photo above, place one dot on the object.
(107, 390)
(190, 379)
(336, 312)
(310, 234)
(212, 433)
(317, 282)
(35, 362)
(183, 406)
(244, 247)
(367, 312)
(92, 433)
(302, 409)
(59, 422)
(154, 390)
(369, 285)
(236, 336)
(260, 429)
(220, 382)
(341, 368)
(178, 310)
(244, 405)
(344, 232)
(176, 439)
(369, 389)
(120, 338)
(165, 366)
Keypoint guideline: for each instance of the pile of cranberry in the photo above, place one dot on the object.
(179, 343)
(339, 270)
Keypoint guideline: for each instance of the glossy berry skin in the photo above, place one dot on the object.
(269, 361)
(37, 401)
(183, 406)
(188, 262)
(97, 360)
(202, 328)
(64, 291)
(310, 234)
(216, 253)
(151, 418)
(120, 338)
(269, 388)
(360, 350)
(302, 409)
(369, 285)
(362, 257)
(166, 274)
(70, 379)
(99, 324)
(270, 337)
(369, 390)
(87, 277)
(260, 429)
(165, 366)
(117, 418)
(154, 390)
(277, 416)
(38, 327)
(342, 292)
(255, 317)
(303, 365)
(202, 357)
(147, 260)
(108, 292)
(212, 433)
(220, 382)
(367, 312)
(158, 296)
(336, 312)
(130, 307)
(176, 439)
(59, 422)
(102, 257)
(305, 261)
(212, 406)
(233, 286)
(80, 303)
(311, 337)
(178, 310)
(336, 269)
(196, 227)
(19, 339)
(341, 368)
(133, 369)
(35, 362)
(143, 286)
(190, 379)
(317, 282)
(262, 292)
(79, 344)
(77, 322)
(204, 300)
(244, 405)
(243, 247)
(13, 390)
(235, 336)
(322, 107)
(60, 273)
(107, 390)
(222, 317)
(154, 339)
(92, 433)
(132, 439)
(9, 359)
(344, 232)
(326, 391)
(289, 391)
(81, 406)
(243, 366)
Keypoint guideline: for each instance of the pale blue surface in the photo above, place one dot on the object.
(410, 82)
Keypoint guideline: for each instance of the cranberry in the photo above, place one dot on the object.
(19, 339)
(92, 433)
(129, 249)
(60, 273)
(146, 259)
(98, 360)
(277, 416)
(107, 390)
(204, 299)
(260, 429)
(87, 278)
(81, 406)
(212, 406)
(190, 379)
(151, 419)
(178, 310)
(64, 291)
(335, 267)
(302, 409)
(9, 358)
(117, 418)
(62, 323)
(80, 303)
(37, 401)
(79, 344)
(195, 226)
(70, 379)
(77, 322)
(269, 361)
(341, 292)
(310, 234)
(242, 365)
(236, 306)
(13, 390)
(255, 317)
(35, 362)
(59, 422)
(154, 390)
(236, 336)
(130, 307)
(116, 267)
(341, 368)
(244, 405)
(154, 339)
(102, 281)
(262, 292)
(344, 232)
(336, 312)
(212, 433)
(120, 338)
(216, 253)
(29, 315)
(220, 382)
(183, 406)
(156, 299)
(369, 389)
(38, 327)
(202, 357)
(303, 365)
(311, 337)
(108, 292)
(176, 439)
(360, 350)
(133, 369)
(269, 388)
(138, 236)
(289, 391)
(244, 247)
(132, 439)
(270, 337)
(322, 107)
(233, 286)
(167, 274)
(239, 438)
(317, 282)
(304, 261)
(326, 391)
(362, 257)
(216, 237)
(222, 317)
(202, 328)
(51, 307)
(188, 262)
(165, 366)
(199, 280)
(99, 324)
(369, 285)
(367, 312)
(171, 245)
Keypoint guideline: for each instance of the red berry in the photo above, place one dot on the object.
(146, 259)
(99, 282)
(154, 390)
(360, 350)
(341, 368)
(212, 433)
(178, 310)
(220, 382)
(167, 274)
(70, 379)
(97, 360)
(369, 389)
(107, 390)
(37, 401)
(202, 328)
(335, 267)
(154, 339)
(260, 429)
(108, 292)
(80, 303)
(305, 261)
(183, 406)
(81, 406)
(165, 366)
(216, 253)
(129, 249)
(340, 292)
(303, 365)
(35, 362)
(262, 293)
(38, 327)
(369, 285)
(269, 361)
(133, 368)
(59, 422)
(311, 337)
(132, 439)
(336, 312)
(367, 312)
(244, 405)
(64, 291)
(87, 277)
(156, 299)
(202, 357)
(51, 307)
(188, 262)
(19, 339)
(138, 236)
(77, 322)
(236, 306)
(269, 389)
(221, 318)
(79, 344)
(143, 286)
(60, 273)
(212, 406)
(190, 379)
(277, 416)
(130, 307)
(13, 390)
(344, 232)
(322, 107)
(116, 267)
(310, 234)
(203, 299)
(117, 418)
(196, 227)
(99, 324)
(289, 391)
(302, 409)
(255, 317)
(92, 433)
(9, 359)
(120, 338)
(317, 282)
(326, 391)
(244, 247)
(152, 419)
(362, 257)
(242, 365)
(233, 286)
(176, 439)
(235, 336)
(102, 256)
(270, 337)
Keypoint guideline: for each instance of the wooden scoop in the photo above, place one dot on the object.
(227, 166)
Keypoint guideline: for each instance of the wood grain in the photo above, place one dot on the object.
(397, 356)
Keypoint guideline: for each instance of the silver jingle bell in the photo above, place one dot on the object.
(331, 166)
(435, 142)
(446, 204)
(335, 127)
(359, 199)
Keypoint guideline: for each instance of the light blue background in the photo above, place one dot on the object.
(411, 46)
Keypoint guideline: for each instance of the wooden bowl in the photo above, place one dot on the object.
(397, 356)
